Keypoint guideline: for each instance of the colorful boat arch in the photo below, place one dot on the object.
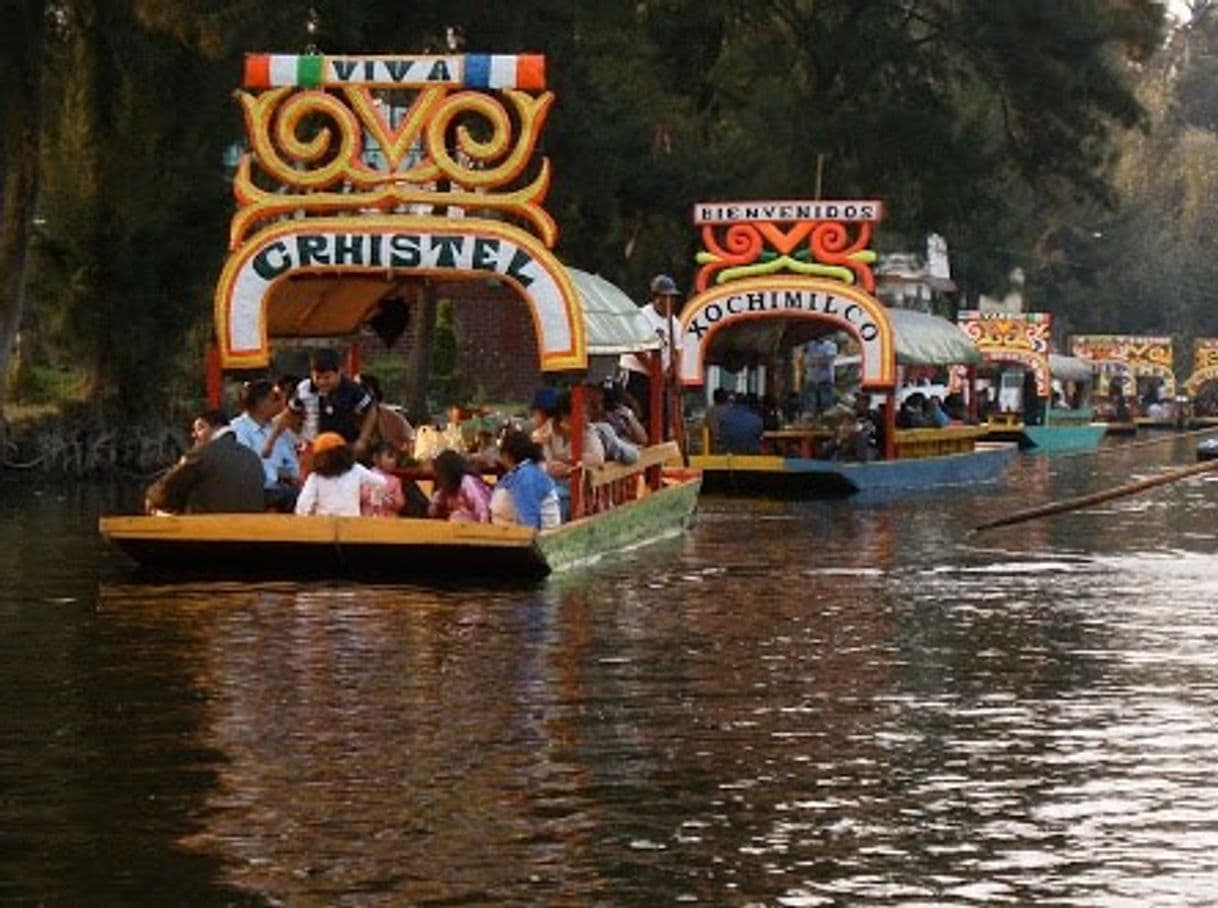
(839, 306)
(395, 248)
(1205, 365)
(1139, 356)
(1013, 337)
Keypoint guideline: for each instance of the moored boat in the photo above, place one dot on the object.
(777, 275)
(1017, 349)
(342, 235)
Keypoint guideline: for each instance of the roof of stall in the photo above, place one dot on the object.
(336, 306)
(614, 323)
(1071, 368)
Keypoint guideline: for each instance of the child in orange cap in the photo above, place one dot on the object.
(333, 488)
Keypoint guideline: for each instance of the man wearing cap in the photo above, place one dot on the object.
(661, 313)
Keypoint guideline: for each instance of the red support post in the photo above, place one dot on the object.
(355, 355)
(578, 422)
(890, 426)
(655, 404)
(213, 377)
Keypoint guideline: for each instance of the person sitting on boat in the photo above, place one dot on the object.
(721, 402)
(620, 415)
(459, 496)
(219, 475)
(525, 495)
(330, 401)
(740, 429)
(541, 415)
(912, 413)
(617, 448)
(260, 403)
(391, 426)
(335, 485)
(558, 451)
(936, 416)
(389, 501)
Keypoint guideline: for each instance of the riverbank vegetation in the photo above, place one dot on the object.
(1078, 140)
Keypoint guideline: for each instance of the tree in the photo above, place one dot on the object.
(21, 67)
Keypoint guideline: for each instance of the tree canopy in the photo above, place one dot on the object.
(992, 122)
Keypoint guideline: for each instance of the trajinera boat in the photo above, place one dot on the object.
(372, 206)
(1017, 348)
(776, 275)
(1127, 366)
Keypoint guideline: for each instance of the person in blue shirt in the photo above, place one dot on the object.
(525, 494)
(280, 467)
(740, 429)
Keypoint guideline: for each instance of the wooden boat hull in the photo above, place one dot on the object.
(278, 545)
(1121, 428)
(1062, 439)
(789, 477)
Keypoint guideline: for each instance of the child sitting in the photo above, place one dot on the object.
(525, 495)
(459, 497)
(387, 503)
(333, 488)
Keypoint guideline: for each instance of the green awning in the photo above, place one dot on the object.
(1071, 368)
(612, 319)
(927, 340)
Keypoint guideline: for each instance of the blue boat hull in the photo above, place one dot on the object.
(1060, 439)
(792, 477)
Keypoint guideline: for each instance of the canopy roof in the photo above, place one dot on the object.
(338, 305)
(920, 339)
(1071, 368)
(613, 321)
(927, 340)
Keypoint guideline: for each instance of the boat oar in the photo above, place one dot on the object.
(1088, 501)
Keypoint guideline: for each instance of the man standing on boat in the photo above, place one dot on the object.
(819, 357)
(328, 401)
(661, 313)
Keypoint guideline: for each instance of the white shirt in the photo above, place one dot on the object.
(660, 325)
(337, 496)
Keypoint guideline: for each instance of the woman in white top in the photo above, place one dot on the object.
(333, 488)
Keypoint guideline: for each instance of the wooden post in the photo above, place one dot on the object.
(577, 423)
(355, 355)
(213, 377)
(890, 425)
(973, 403)
(655, 419)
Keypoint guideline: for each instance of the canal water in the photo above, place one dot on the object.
(796, 704)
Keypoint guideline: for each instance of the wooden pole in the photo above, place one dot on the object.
(1088, 501)
(578, 420)
(890, 425)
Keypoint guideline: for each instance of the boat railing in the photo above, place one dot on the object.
(615, 484)
(914, 443)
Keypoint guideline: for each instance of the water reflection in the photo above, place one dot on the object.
(797, 704)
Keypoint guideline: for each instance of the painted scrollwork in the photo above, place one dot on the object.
(453, 148)
(816, 248)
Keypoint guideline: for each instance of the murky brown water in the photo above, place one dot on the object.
(795, 705)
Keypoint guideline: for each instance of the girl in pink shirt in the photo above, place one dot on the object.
(459, 496)
(386, 502)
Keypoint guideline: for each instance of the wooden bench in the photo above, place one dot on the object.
(617, 483)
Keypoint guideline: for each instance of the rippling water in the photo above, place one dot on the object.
(796, 704)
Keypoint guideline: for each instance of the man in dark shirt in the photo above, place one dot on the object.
(740, 430)
(328, 401)
(219, 475)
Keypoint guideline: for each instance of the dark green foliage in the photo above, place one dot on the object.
(975, 118)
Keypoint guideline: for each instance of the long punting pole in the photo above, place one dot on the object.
(578, 420)
(1088, 501)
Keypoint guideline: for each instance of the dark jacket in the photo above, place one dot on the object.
(221, 477)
